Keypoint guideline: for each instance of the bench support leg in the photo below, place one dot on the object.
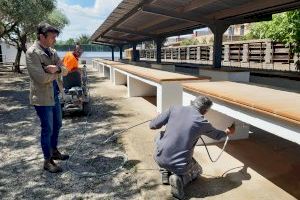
(112, 76)
(106, 72)
(168, 94)
(137, 88)
(100, 67)
(119, 78)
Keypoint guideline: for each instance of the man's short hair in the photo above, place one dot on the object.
(45, 28)
(202, 103)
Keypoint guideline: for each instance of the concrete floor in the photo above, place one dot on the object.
(261, 167)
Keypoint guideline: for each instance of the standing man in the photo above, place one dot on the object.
(175, 147)
(46, 71)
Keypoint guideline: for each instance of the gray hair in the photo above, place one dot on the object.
(202, 103)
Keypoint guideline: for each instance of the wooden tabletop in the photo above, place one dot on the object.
(158, 75)
(110, 62)
(282, 104)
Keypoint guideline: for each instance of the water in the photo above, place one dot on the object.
(89, 56)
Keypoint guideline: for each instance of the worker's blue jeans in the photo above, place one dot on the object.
(51, 122)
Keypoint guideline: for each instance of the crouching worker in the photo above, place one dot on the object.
(45, 71)
(175, 146)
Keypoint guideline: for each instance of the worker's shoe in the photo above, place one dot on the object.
(165, 175)
(51, 166)
(56, 155)
(177, 186)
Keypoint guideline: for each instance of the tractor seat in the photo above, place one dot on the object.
(73, 79)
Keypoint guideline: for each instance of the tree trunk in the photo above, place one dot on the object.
(20, 48)
(17, 61)
(23, 41)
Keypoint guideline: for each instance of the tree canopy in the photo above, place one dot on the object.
(284, 27)
(19, 19)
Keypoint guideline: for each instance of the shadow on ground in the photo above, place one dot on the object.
(21, 159)
(274, 158)
(206, 187)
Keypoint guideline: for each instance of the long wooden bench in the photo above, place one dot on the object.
(105, 67)
(96, 63)
(272, 110)
(164, 85)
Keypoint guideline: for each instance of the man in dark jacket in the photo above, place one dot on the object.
(175, 146)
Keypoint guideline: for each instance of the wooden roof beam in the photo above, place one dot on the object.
(117, 39)
(109, 40)
(174, 15)
(105, 44)
(140, 33)
(127, 15)
(194, 4)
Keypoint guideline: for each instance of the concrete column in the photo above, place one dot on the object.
(158, 42)
(112, 53)
(218, 29)
(187, 53)
(178, 54)
(121, 51)
(134, 52)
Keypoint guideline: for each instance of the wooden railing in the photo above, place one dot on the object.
(258, 54)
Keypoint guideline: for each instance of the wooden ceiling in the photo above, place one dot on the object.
(139, 20)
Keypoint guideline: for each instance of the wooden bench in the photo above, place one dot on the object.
(272, 110)
(105, 67)
(164, 85)
(95, 63)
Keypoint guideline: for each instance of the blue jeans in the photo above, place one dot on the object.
(51, 122)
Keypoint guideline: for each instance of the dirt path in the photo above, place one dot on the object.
(261, 167)
(21, 157)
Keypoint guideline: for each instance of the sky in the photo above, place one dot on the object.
(85, 16)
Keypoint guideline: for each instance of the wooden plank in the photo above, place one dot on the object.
(276, 103)
(158, 75)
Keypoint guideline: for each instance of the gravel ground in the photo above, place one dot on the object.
(21, 174)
